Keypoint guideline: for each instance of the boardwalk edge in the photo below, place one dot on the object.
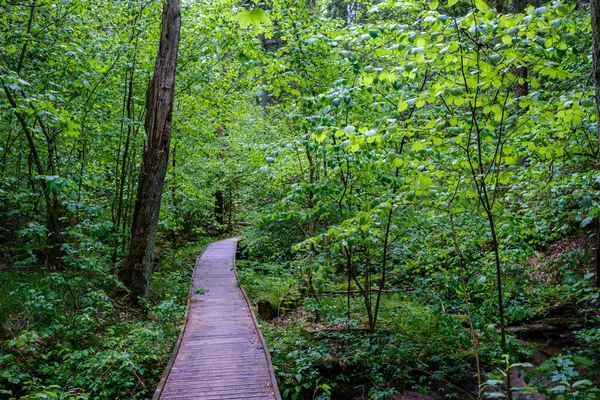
(167, 370)
(258, 331)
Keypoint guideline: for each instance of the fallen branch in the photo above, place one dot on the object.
(538, 330)
(355, 291)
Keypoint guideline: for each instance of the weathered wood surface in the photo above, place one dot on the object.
(221, 353)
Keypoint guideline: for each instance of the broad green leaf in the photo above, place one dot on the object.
(367, 80)
(256, 17)
(587, 103)
(418, 146)
(583, 381)
(386, 76)
(481, 5)
(593, 212)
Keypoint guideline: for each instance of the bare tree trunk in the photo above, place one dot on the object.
(136, 270)
(220, 207)
(219, 197)
(131, 188)
(311, 222)
(53, 211)
(230, 210)
(595, 7)
(521, 88)
(122, 181)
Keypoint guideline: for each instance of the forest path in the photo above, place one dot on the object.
(220, 353)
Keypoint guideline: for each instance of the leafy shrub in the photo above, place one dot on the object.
(70, 336)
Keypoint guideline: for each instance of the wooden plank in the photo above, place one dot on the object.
(220, 353)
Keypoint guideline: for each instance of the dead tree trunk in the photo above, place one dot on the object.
(136, 270)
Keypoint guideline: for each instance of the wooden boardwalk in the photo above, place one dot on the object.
(220, 353)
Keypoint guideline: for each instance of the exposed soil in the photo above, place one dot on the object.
(578, 247)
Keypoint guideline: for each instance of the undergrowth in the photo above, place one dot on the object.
(69, 334)
(323, 349)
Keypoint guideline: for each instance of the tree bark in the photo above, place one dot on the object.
(136, 270)
(595, 8)
(219, 197)
(53, 210)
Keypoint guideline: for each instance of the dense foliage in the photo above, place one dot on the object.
(421, 180)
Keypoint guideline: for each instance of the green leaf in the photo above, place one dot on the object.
(452, 2)
(481, 5)
(418, 146)
(433, 4)
(386, 76)
(593, 212)
(582, 382)
(255, 17)
(587, 103)
(558, 389)
(586, 221)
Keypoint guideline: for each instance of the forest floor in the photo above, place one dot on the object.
(422, 352)
(69, 334)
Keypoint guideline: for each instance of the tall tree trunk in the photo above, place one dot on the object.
(136, 270)
(219, 197)
(122, 181)
(230, 210)
(311, 223)
(220, 207)
(595, 6)
(53, 211)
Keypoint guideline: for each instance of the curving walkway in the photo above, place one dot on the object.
(221, 353)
